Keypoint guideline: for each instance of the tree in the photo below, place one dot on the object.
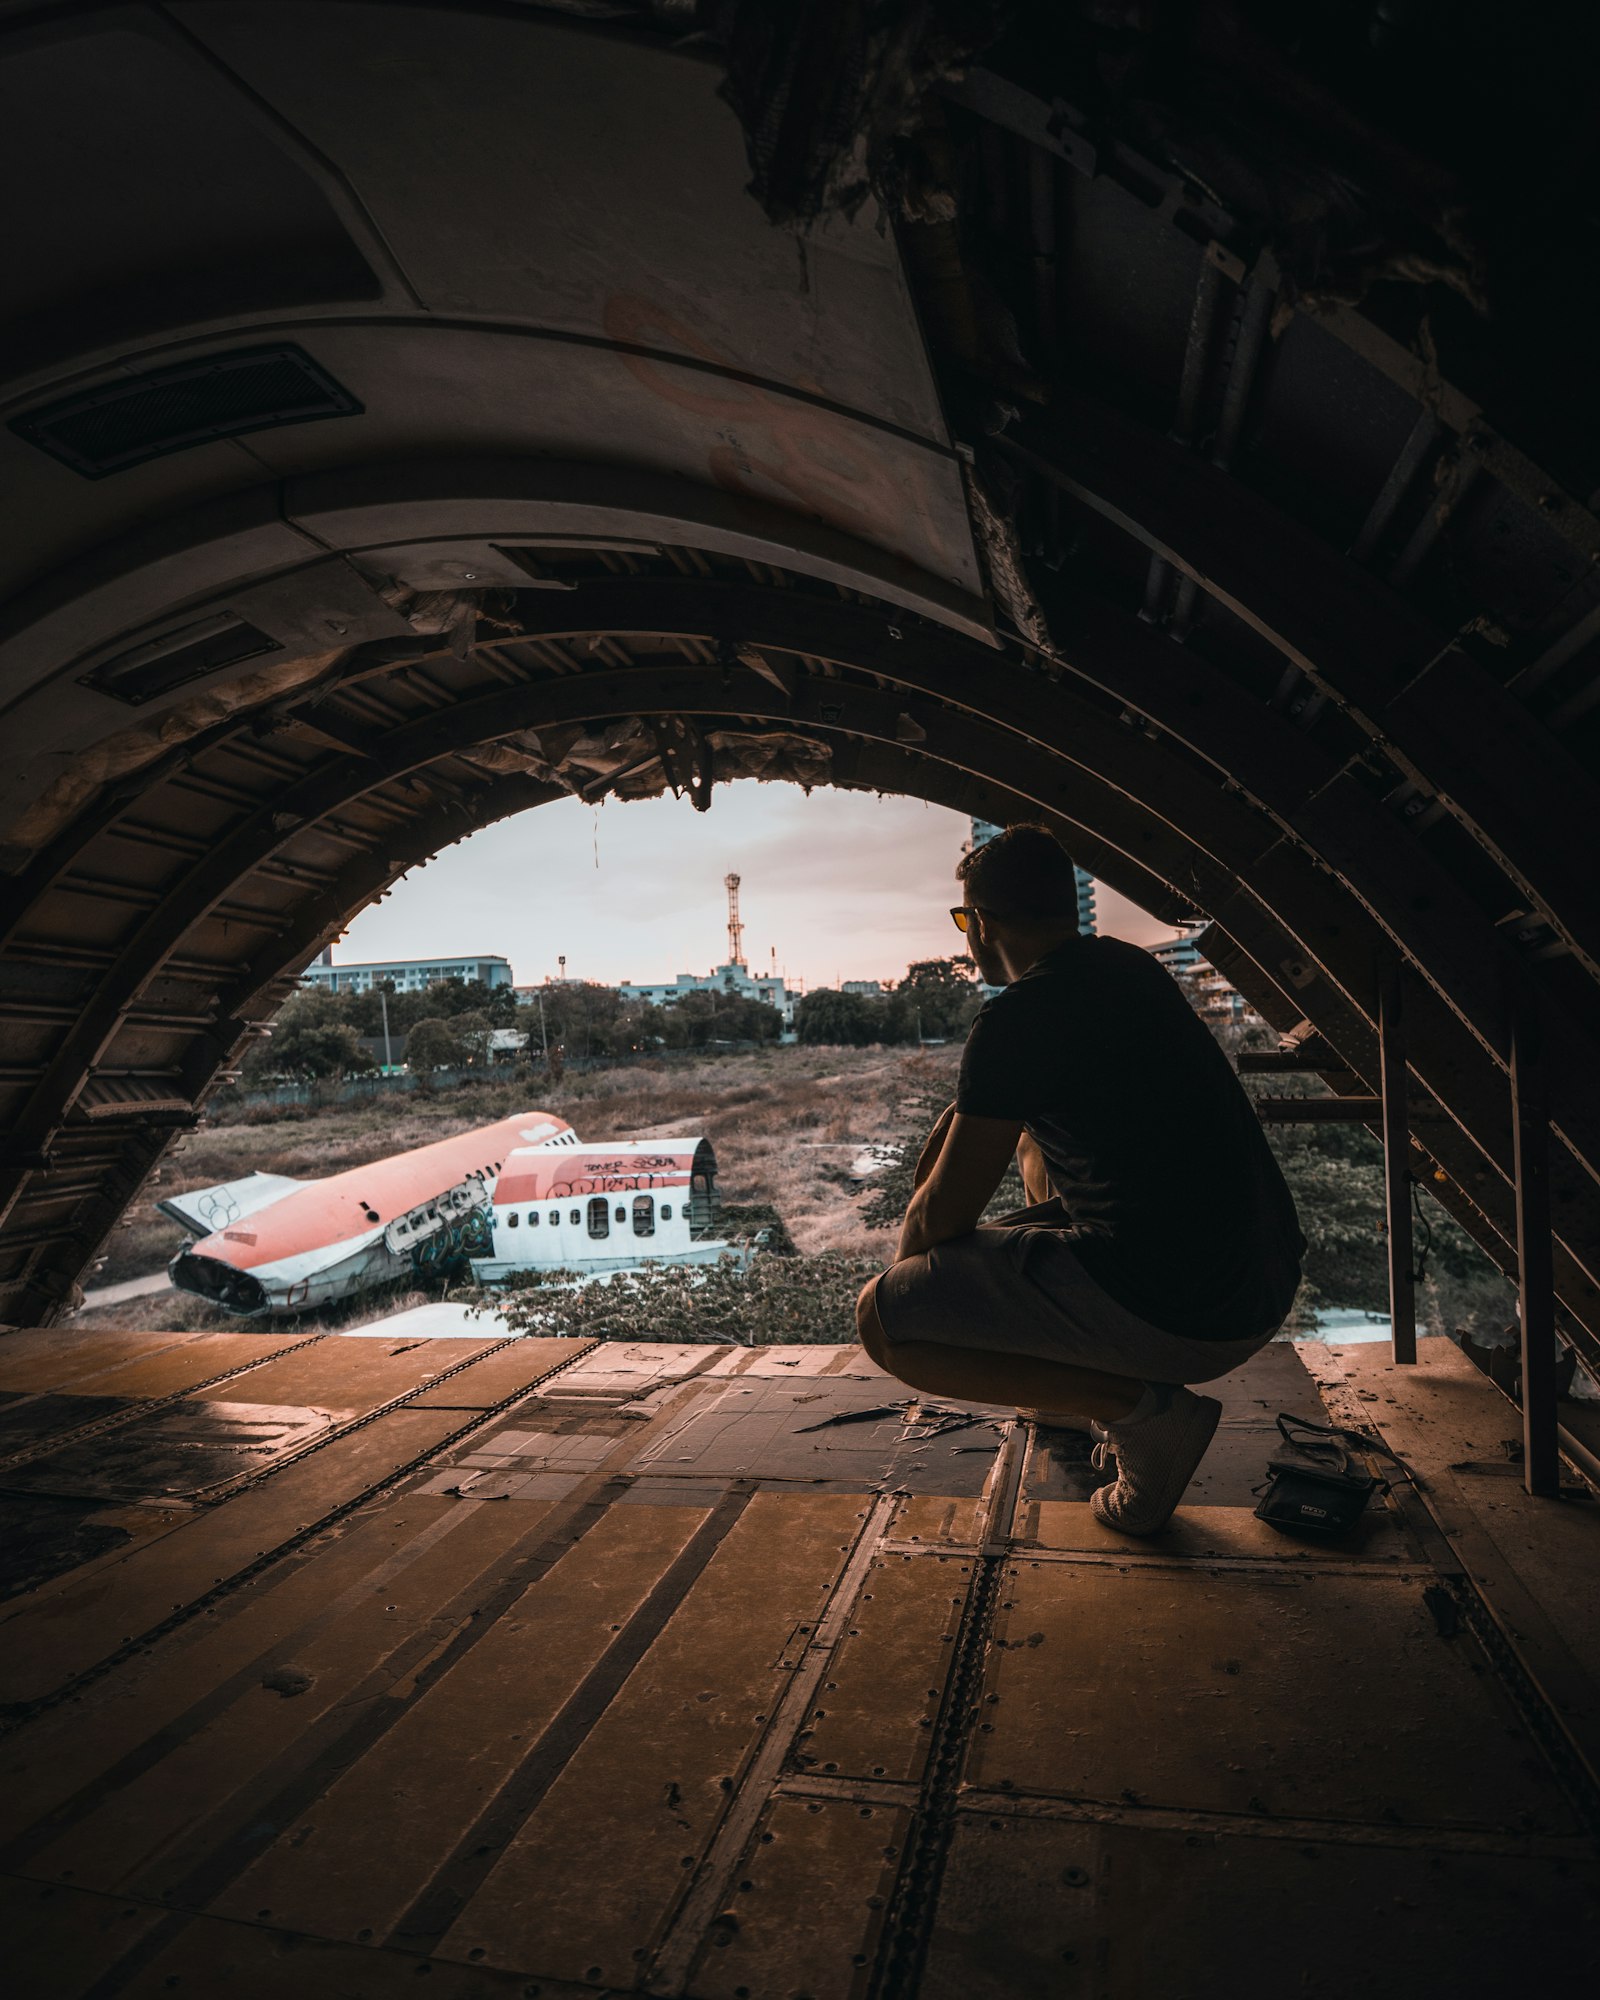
(946, 993)
(471, 1032)
(308, 1049)
(433, 1045)
(843, 1019)
(699, 1019)
(585, 1020)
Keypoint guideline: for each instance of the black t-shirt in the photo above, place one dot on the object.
(1172, 1199)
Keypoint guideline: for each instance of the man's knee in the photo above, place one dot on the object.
(869, 1328)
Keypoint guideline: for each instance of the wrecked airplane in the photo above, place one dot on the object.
(524, 1194)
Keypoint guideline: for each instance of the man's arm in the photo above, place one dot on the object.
(974, 1154)
(928, 1158)
(1035, 1174)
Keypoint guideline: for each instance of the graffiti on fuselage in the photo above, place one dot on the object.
(468, 1235)
(599, 1181)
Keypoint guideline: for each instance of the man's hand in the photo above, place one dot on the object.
(954, 1185)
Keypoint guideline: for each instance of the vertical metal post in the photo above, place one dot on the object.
(1536, 1298)
(1396, 1159)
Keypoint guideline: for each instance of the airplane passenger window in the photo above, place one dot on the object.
(533, 1218)
(575, 1216)
(666, 1211)
(622, 1214)
(555, 1217)
(644, 1215)
(513, 1219)
(599, 1216)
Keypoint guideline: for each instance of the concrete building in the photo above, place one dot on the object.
(1210, 994)
(732, 977)
(408, 975)
(983, 829)
(772, 988)
(1179, 954)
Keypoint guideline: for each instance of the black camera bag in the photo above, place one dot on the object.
(1315, 1486)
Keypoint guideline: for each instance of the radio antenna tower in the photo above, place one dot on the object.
(735, 928)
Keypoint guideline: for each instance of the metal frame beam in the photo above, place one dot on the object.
(1209, 846)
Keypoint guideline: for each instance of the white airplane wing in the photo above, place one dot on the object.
(206, 1210)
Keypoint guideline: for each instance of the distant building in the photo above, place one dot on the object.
(984, 830)
(1210, 994)
(1179, 954)
(772, 988)
(408, 975)
(869, 989)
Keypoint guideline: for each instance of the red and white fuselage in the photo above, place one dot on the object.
(269, 1243)
(603, 1208)
(522, 1194)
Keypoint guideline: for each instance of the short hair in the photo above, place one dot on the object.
(1022, 872)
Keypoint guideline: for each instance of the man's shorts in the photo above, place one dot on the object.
(1018, 1290)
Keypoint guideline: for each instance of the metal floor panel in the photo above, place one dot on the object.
(607, 1673)
(664, 1757)
(1199, 1529)
(200, 1359)
(173, 1453)
(443, 1763)
(35, 1359)
(89, 1617)
(806, 1909)
(851, 1432)
(1204, 1690)
(1041, 1910)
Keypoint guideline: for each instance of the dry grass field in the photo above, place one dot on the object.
(785, 1123)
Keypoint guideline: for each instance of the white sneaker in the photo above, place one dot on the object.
(1156, 1458)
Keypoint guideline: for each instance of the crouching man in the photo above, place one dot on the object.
(1160, 1246)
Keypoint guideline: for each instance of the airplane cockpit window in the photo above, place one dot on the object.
(599, 1216)
(644, 1215)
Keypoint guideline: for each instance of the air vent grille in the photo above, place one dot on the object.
(160, 665)
(125, 423)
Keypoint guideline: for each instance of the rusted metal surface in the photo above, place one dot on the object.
(719, 1734)
(1082, 1910)
(1086, 1659)
(1536, 1304)
(1396, 1135)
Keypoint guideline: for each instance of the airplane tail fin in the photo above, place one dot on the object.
(206, 1210)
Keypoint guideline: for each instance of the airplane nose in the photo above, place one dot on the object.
(209, 1278)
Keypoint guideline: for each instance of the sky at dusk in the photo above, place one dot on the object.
(843, 884)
